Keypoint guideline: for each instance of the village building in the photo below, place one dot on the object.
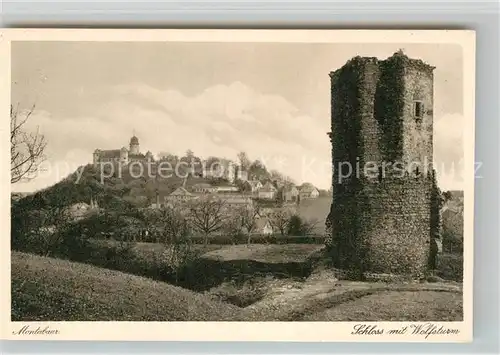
(253, 185)
(78, 210)
(308, 191)
(263, 226)
(289, 193)
(204, 188)
(180, 195)
(226, 188)
(268, 191)
(81, 210)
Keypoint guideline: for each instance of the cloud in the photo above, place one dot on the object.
(224, 120)
(220, 121)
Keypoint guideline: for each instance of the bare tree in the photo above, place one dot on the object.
(207, 215)
(280, 220)
(248, 218)
(277, 176)
(175, 232)
(26, 149)
(172, 225)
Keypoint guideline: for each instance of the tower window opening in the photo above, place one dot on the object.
(380, 174)
(418, 109)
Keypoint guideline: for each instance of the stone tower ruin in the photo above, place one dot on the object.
(382, 218)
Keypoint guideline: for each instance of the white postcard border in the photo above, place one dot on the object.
(240, 331)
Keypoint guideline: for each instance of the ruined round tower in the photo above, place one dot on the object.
(382, 218)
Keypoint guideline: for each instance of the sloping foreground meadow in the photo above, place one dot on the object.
(59, 290)
(47, 289)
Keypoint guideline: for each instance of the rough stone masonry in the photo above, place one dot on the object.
(382, 218)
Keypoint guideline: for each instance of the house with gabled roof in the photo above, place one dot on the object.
(180, 194)
(263, 226)
(308, 191)
(254, 185)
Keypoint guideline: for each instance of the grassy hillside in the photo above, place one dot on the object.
(119, 191)
(46, 289)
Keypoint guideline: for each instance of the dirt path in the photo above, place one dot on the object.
(285, 299)
(292, 301)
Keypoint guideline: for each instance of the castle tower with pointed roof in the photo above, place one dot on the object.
(134, 146)
(122, 156)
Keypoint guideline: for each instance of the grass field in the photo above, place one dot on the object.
(46, 289)
(146, 249)
(266, 253)
(272, 253)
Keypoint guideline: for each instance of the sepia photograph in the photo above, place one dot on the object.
(206, 180)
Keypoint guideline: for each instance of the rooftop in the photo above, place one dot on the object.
(268, 187)
(307, 187)
(260, 223)
(180, 191)
(134, 140)
(111, 153)
(202, 185)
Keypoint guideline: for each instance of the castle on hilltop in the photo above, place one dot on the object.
(381, 114)
(123, 156)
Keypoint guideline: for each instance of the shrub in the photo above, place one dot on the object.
(452, 241)
(434, 278)
(241, 295)
(450, 267)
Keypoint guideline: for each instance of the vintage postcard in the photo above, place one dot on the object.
(236, 185)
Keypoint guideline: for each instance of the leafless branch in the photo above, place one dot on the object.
(207, 216)
(280, 220)
(26, 149)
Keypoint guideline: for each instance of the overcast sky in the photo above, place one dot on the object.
(269, 100)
